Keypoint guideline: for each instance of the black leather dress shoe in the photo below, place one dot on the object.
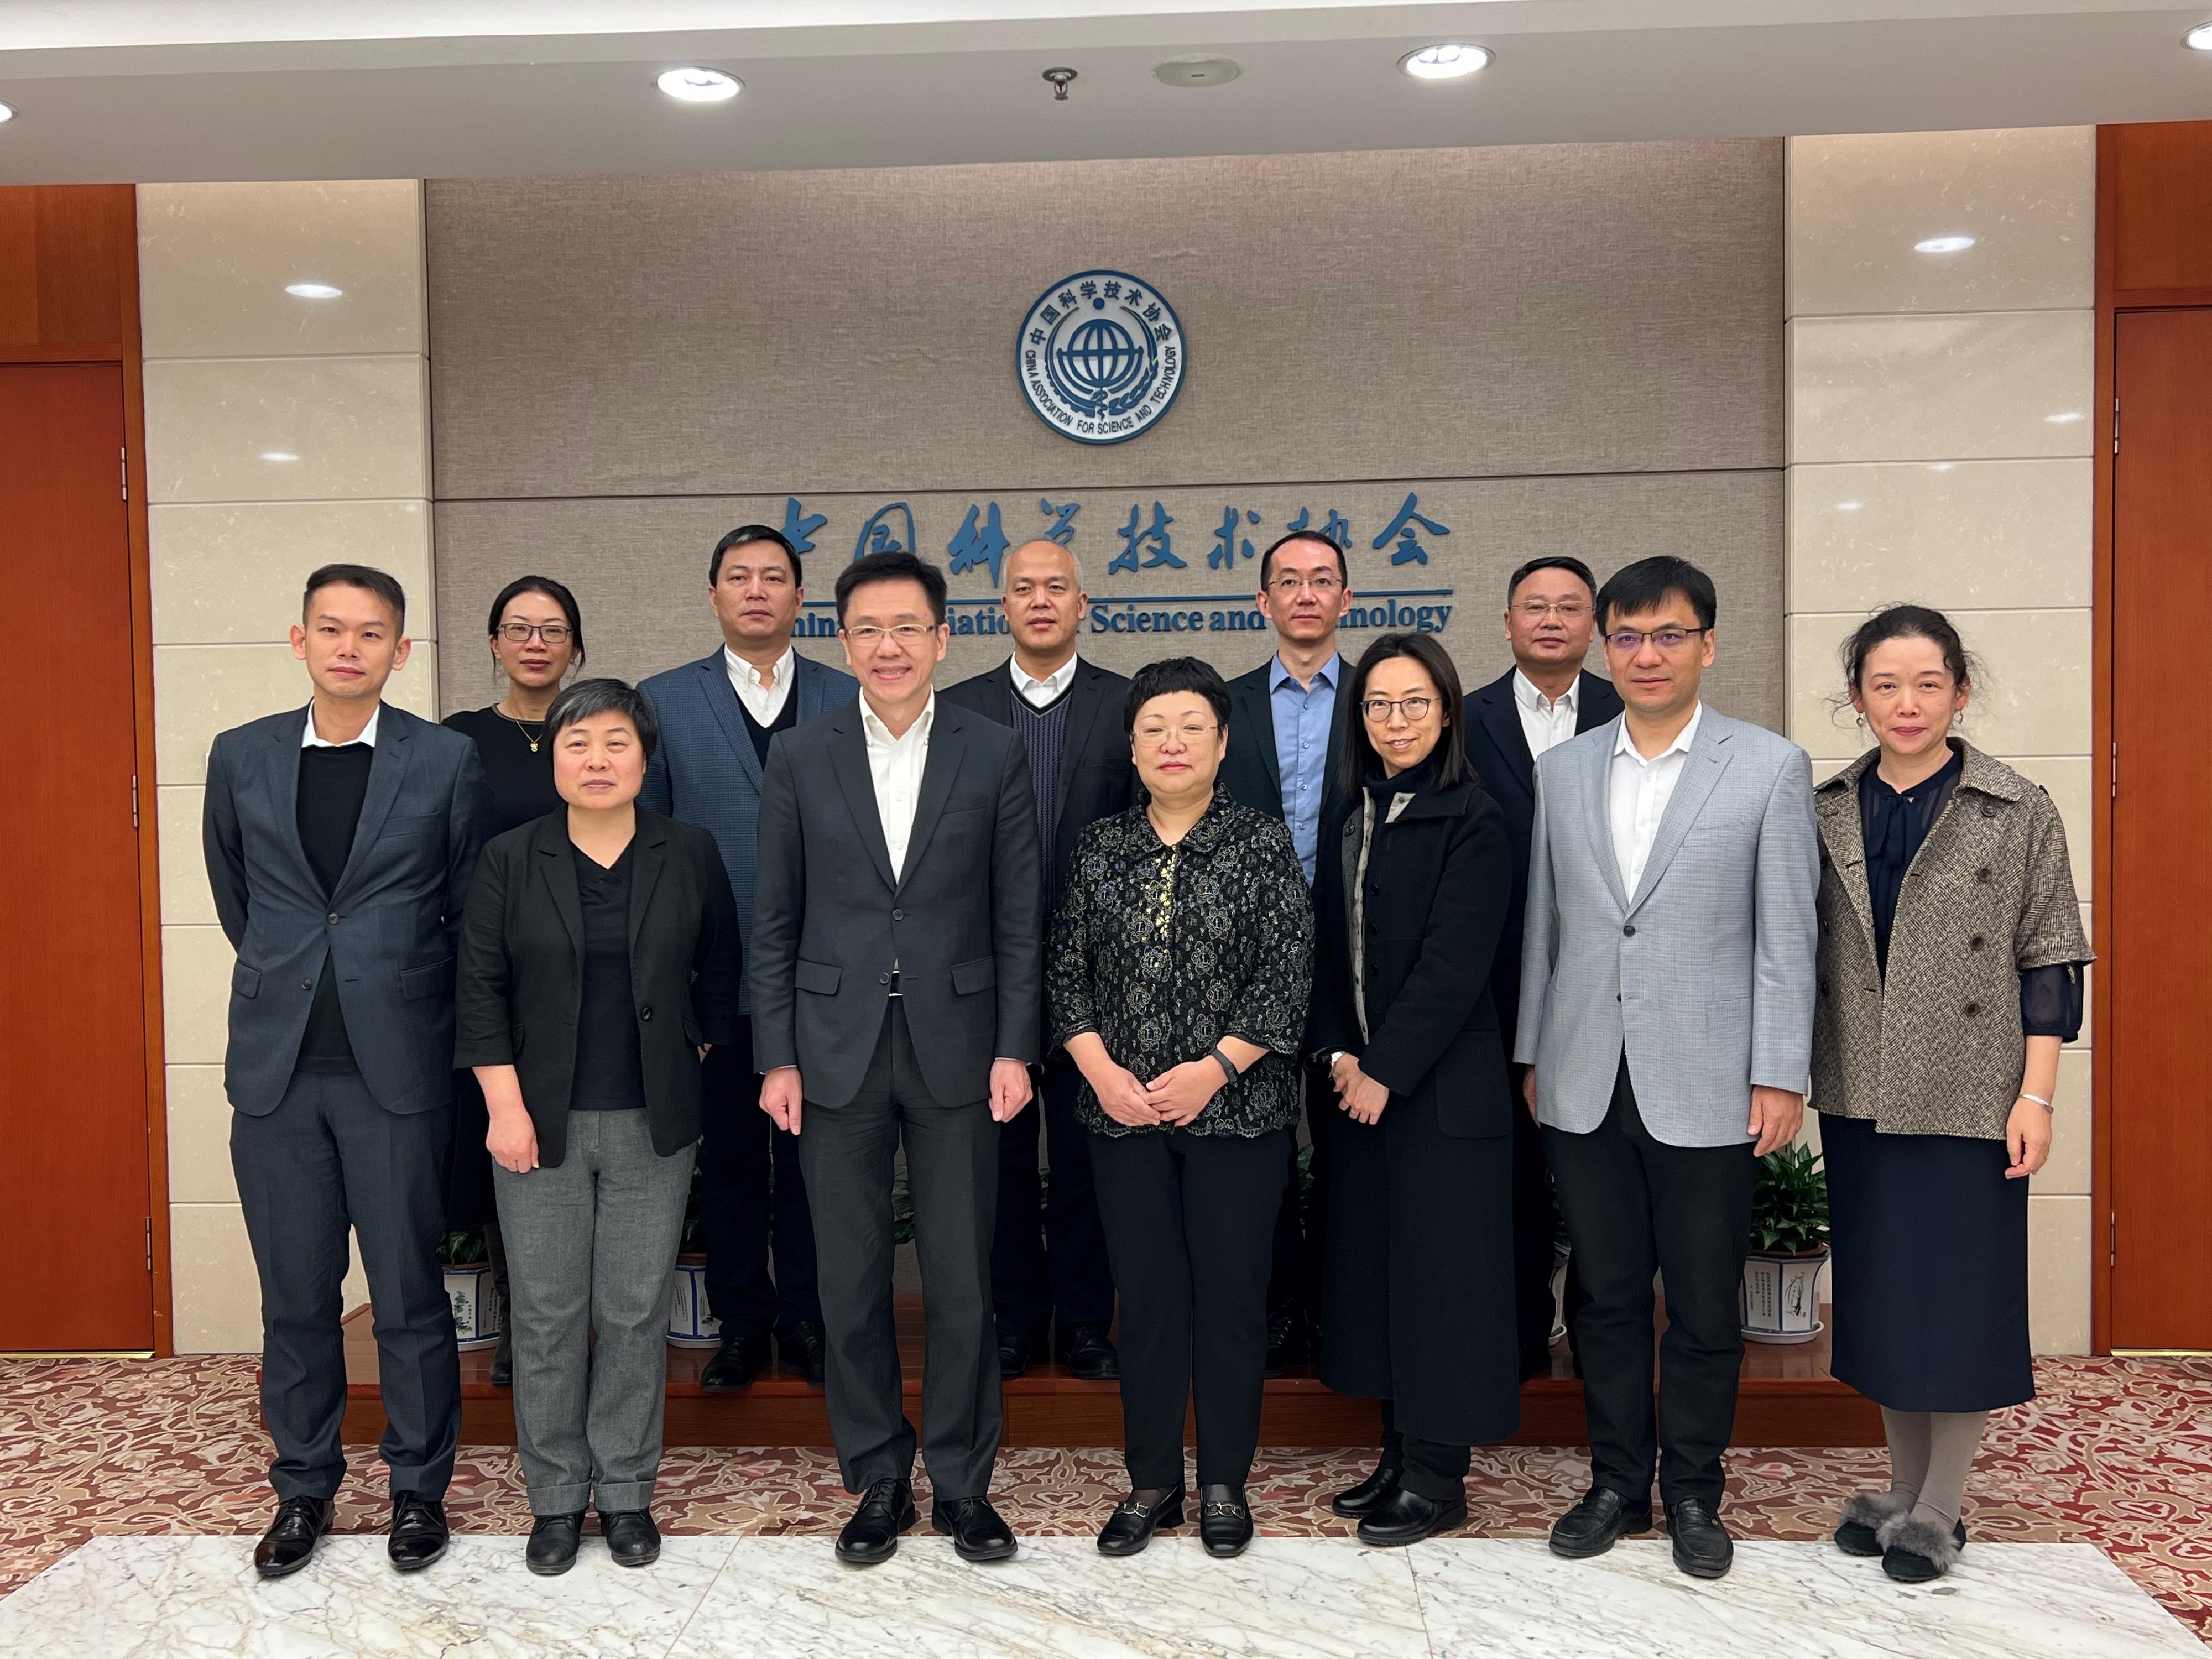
(502, 1361)
(1284, 1350)
(1224, 1522)
(1703, 1547)
(871, 1535)
(1407, 1517)
(735, 1363)
(632, 1539)
(554, 1541)
(291, 1539)
(1594, 1526)
(1014, 1355)
(1131, 1527)
(1089, 1355)
(804, 1351)
(1359, 1501)
(418, 1531)
(978, 1533)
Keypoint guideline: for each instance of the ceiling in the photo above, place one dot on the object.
(239, 89)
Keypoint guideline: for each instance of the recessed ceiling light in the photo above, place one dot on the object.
(2199, 38)
(1197, 69)
(2065, 416)
(312, 290)
(1447, 61)
(699, 86)
(278, 455)
(7, 112)
(1944, 244)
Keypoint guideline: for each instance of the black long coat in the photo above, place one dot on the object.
(1417, 1301)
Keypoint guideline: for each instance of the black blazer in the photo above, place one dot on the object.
(1250, 772)
(1437, 881)
(1499, 750)
(1097, 777)
(962, 920)
(522, 969)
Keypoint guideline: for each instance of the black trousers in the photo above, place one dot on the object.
(1535, 1234)
(1636, 1205)
(952, 1173)
(1188, 1224)
(327, 1159)
(1433, 1469)
(1298, 1248)
(1058, 1269)
(752, 1197)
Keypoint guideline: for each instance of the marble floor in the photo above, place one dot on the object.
(1288, 1598)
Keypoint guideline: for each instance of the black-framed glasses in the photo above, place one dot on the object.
(518, 633)
(1416, 709)
(1667, 639)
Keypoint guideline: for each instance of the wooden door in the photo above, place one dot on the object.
(73, 1204)
(2159, 1006)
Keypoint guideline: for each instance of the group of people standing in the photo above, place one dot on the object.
(1568, 949)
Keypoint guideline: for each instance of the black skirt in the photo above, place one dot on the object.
(1929, 1253)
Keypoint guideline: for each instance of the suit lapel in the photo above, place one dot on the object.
(1702, 767)
(648, 856)
(284, 767)
(848, 758)
(386, 772)
(722, 698)
(1597, 812)
(1845, 837)
(1339, 712)
(1595, 703)
(1083, 711)
(948, 745)
(1259, 716)
(549, 843)
(1502, 720)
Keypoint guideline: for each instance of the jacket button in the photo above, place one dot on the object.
(307, 985)
(1973, 1008)
(1983, 875)
(898, 915)
(333, 918)
(645, 1013)
(883, 979)
(1989, 812)
(1975, 943)
(1628, 930)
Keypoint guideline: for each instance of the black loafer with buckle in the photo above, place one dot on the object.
(1225, 1520)
(1132, 1523)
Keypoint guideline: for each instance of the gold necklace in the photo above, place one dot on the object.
(521, 725)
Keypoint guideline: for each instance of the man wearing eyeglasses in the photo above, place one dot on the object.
(897, 977)
(718, 717)
(1285, 739)
(1666, 1016)
(1544, 699)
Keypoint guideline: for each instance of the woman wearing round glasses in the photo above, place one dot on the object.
(1417, 1287)
(536, 636)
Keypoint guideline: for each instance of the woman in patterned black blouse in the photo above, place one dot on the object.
(1182, 959)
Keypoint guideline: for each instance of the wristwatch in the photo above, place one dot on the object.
(1228, 1066)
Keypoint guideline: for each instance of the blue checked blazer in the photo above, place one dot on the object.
(705, 771)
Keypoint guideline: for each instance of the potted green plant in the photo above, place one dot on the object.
(1780, 1301)
(691, 1321)
(479, 1317)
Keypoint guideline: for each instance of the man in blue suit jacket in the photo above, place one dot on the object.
(717, 718)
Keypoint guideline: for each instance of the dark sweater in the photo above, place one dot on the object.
(764, 735)
(609, 1059)
(1043, 733)
(333, 783)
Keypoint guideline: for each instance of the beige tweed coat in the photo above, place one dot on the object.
(1936, 1047)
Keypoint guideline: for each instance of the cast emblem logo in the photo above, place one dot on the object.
(1100, 356)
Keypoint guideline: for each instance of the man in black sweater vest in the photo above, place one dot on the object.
(340, 839)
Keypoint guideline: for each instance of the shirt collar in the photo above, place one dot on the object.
(1053, 683)
(751, 675)
(1526, 692)
(1625, 745)
(367, 737)
(1278, 676)
(879, 735)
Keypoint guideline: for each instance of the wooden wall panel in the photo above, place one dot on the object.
(68, 271)
(2162, 232)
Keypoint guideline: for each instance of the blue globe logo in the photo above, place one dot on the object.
(1099, 358)
(1100, 355)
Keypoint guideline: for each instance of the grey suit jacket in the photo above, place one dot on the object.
(705, 771)
(962, 921)
(1704, 976)
(389, 932)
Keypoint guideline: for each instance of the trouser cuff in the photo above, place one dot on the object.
(625, 1495)
(569, 1498)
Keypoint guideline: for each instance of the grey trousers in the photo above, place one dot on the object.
(590, 1247)
(952, 1172)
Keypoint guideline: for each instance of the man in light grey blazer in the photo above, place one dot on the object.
(1667, 1012)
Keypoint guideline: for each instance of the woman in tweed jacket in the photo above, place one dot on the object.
(1950, 958)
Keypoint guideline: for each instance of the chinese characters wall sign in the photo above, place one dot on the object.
(1100, 357)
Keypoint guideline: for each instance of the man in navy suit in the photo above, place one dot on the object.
(718, 717)
(1539, 703)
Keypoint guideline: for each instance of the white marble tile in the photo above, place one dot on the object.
(195, 1598)
(287, 428)
(1957, 387)
(1284, 1599)
(1482, 1598)
(1859, 205)
(232, 572)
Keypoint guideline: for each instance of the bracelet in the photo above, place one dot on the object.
(1228, 1065)
(2038, 1100)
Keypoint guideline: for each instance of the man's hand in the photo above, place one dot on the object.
(781, 1095)
(1182, 1092)
(1776, 1115)
(1529, 1092)
(1009, 1089)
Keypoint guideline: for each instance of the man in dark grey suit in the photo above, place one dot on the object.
(340, 839)
(717, 718)
(895, 975)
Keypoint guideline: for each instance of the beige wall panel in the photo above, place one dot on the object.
(2059, 1244)
(195, 964)
(1390, 315)
(217, 428)
(215, 260)
(185, 897)
(1859, 204)
(233, 572)
(1966, 535)
(217, 1293)
(199, 1136)
(202, 690)
(1960, 387)
(2067, 1175)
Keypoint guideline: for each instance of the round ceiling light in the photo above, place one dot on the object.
(1446, 61)
(312, 290)
(1197, 69)
(1944, 244)
(7, 112)
(2198, 39)
(699, 86)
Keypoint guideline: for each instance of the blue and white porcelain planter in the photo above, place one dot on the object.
(1780, 1299)
(478, 1317)
(691, 1323)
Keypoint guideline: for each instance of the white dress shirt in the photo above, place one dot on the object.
(896, 764)
(764, 701)
(1545, 723)
(309, 740)
(1637, 792)
(1039, 694)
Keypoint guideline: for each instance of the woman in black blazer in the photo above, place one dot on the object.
(600, 958)
(1417, 1287)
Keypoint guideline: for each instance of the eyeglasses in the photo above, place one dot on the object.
(1537, 610)
(1667, 639)
(1323, 585)
(1151, 736)
(551, 633)
(1416, 709)
(906, 634)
